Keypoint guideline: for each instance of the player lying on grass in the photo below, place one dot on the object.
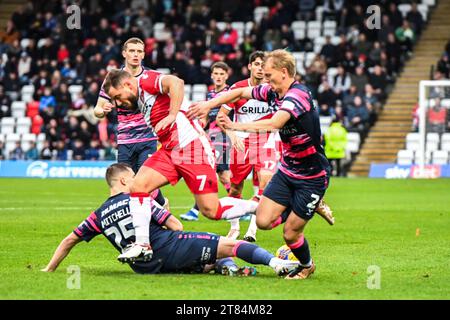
(173, 250)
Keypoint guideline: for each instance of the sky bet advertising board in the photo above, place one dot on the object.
(395, 171)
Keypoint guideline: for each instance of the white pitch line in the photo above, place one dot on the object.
(45, 208)
(44, 201)
(65, 208)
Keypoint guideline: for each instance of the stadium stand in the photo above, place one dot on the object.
(329, 43)
(391, 140)
(438, 122)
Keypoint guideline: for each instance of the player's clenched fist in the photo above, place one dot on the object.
(103, 109)
(107, 107)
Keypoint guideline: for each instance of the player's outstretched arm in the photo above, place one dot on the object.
(201, 109)
(275, 123)
(62, 251)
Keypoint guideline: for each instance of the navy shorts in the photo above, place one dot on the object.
(135, 154)
(191, 252)
(302, 196)
(182, 252)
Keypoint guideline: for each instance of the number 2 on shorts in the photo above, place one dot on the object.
(312, 204)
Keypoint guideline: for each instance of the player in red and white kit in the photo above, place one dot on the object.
(185, 153)
(251, 151)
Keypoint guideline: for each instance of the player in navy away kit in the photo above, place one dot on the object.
(173, 250)
(136, 141)
(303, 174)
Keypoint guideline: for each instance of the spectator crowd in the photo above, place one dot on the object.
(54, 57)
(437, 113)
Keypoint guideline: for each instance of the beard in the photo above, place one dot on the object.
(133, 100)
(132, 103)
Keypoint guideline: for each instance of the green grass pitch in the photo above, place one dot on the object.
(399, 226)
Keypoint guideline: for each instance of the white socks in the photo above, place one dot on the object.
(252, 227)
(235, 224)
(236, 208)
(141, 213)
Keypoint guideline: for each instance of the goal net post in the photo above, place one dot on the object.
(434, 108)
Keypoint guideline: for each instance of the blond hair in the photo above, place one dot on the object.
(282, 59)
(133, 40)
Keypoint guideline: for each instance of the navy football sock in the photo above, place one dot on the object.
(196, 207)
(252, 253)
(225, 262)
(160, 198)
(300, 249)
